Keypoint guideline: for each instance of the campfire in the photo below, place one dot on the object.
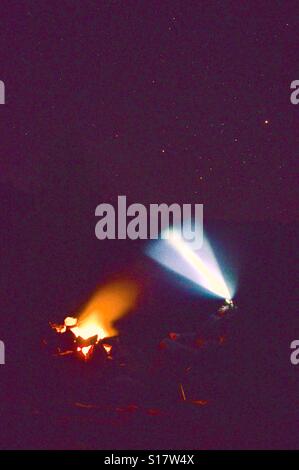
(92, 335)
(95, 323)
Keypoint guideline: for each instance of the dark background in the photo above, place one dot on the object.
(182, 102)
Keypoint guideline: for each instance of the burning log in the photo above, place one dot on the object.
(72, 342)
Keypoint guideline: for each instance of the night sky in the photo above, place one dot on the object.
(160, 101)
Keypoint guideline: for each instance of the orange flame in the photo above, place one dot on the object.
(107, 305)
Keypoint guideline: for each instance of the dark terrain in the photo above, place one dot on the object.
(248, 389)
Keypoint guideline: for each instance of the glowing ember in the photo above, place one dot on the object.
(70, 321)
(85, 350)
(107, 348)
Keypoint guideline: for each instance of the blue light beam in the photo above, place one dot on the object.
(199, 266)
